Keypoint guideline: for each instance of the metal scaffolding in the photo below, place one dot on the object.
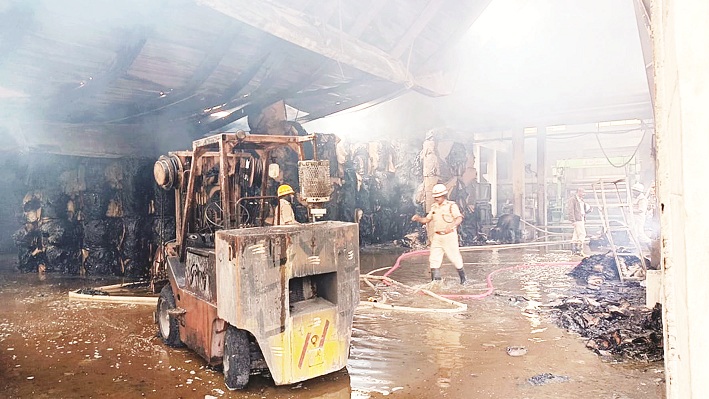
(622, 204)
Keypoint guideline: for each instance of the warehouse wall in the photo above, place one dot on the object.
(681, 37)
(11, 172)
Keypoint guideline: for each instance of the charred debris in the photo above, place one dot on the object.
(611, 315)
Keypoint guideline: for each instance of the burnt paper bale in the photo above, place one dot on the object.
(599, 264)
(161, 202)
(28, 236)
(134, 248)
(60, 232)
(347, 195)
(54, 203)
(615, 322)
(326, 147)
(102, 232)
(163, 229)
(94, 204)
(507, 230)
(134, 234)
(30, 259)
(137, 187)
(28, 240)
(62, 260)
(102, 261)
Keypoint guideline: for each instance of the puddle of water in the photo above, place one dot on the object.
(51, 346)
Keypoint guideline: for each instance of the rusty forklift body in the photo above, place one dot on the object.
(244, 294)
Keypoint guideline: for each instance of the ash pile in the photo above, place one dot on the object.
(611, 314)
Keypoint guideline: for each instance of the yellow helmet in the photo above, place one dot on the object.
(285, 189)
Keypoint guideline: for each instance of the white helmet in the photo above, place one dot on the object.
(638, 187)
(439, 190)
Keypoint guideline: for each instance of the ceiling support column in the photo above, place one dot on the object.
(518, 171)
(541, 176)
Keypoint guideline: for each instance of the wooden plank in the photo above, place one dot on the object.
(135, 41)
(290, 26)
(366, 17)
(88, 140)
(415, 29)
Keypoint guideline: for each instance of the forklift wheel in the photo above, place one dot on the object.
(237, 361)
(167, 326)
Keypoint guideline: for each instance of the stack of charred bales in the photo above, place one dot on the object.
(611, 313)
(106, 216)
(88, 216)
(371, 187)
(381, 184)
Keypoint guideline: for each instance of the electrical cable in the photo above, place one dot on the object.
(598, 139)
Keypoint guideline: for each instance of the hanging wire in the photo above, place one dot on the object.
(598, 139)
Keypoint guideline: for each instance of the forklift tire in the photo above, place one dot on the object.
(237, 358)
(168, 327)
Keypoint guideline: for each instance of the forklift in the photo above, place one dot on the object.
(237, 290)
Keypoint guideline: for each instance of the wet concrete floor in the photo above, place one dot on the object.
(54, 347)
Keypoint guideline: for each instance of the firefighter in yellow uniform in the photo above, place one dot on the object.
(443, 221)
(284, 210)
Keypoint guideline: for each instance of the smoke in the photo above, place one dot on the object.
(526, 62)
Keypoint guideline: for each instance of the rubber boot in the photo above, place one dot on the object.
(461, 273)
(435, 275)
(574, 248)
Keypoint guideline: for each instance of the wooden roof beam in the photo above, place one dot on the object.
(643, 17)
(417, 27)
(291, 26)
(366, 17)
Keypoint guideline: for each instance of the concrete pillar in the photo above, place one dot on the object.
(492, 179)
(518, 171)
(541, 175)
(680, 33)
(476, 154)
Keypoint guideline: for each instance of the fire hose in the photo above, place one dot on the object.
(449, 298)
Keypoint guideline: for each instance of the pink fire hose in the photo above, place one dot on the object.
(490, 287)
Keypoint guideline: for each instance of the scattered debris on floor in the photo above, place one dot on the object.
(91, 291)
(601, 267)
(546, 378)
(610, 313)
(516, 351)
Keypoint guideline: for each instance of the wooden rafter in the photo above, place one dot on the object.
(289, 25)
(377, 95)
(643, 18)
(417, 27)
(325, 11)
(366, 17)
(125, 56)
(261, 100)
(218, 49)
(16, 22)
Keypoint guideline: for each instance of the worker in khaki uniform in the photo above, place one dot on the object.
(640, 205)
(443, 221)
(284, 210)
(576, 212)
